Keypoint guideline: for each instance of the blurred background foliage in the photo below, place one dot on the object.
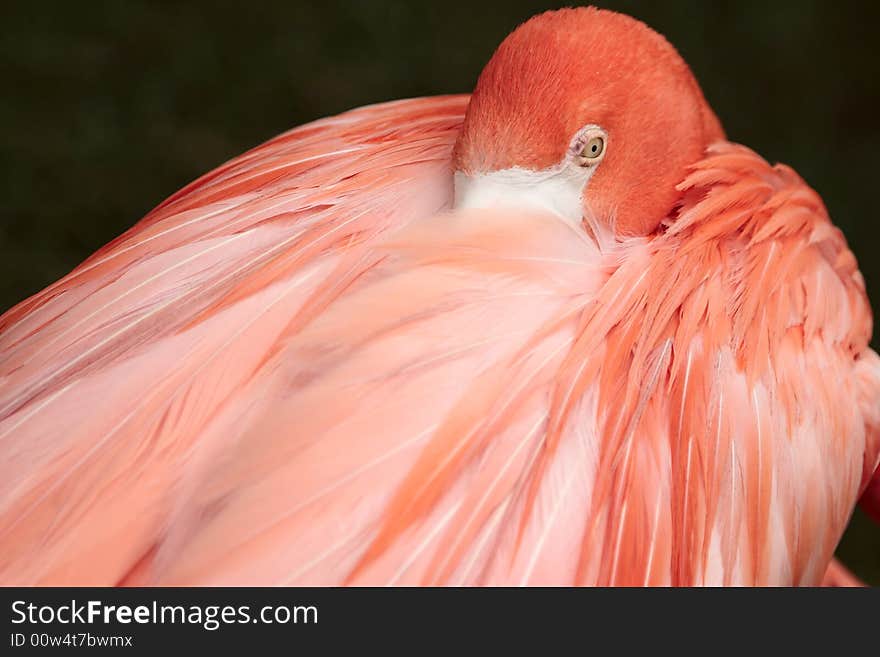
(107, 108)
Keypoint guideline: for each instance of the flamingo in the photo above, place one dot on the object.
(559, 332)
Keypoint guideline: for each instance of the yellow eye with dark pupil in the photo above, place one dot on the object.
(593, 149)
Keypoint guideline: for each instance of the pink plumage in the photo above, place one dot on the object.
(324, 364)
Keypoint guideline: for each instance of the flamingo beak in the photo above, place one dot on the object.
(557, 190)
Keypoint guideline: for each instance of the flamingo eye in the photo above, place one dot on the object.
(589, 145)
(594, 148)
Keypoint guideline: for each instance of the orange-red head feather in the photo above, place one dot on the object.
(566, 69)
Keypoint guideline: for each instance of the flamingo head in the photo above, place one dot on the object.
(586, 113)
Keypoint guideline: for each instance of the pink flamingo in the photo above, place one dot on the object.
(559, 332)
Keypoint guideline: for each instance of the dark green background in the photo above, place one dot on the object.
(108, 108)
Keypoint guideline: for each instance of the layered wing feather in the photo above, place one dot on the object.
(110, 378)
(503, 402)
(465, 398)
